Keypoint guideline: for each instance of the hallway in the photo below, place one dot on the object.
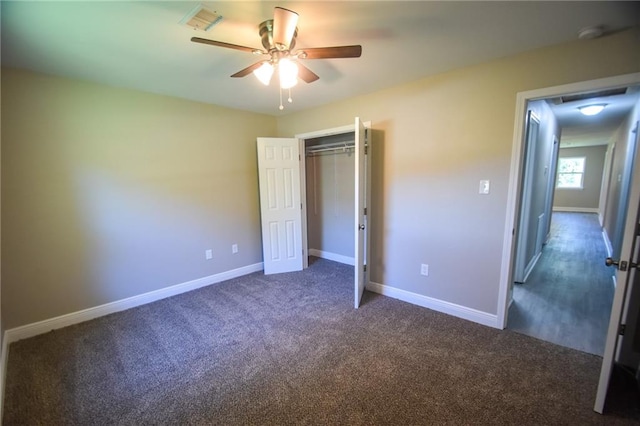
(568, 295)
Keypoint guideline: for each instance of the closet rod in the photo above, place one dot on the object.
(331, 147)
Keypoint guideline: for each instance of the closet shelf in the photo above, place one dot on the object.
(336, 146)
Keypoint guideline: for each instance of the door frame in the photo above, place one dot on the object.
(505, 293)
(604, 190)
(522, 268)
(302, 137)
(551, 185)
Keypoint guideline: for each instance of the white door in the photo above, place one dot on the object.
(280, 206)
(624, 276)
(359, 275)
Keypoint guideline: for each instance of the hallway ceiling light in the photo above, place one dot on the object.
(592, 109)
(590, 33)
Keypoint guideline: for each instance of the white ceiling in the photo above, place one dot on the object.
(580, 130)
(141, 45)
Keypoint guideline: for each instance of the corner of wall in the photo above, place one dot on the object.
(3, 345)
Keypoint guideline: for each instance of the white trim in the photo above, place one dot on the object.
(3, 371)
(333, 131)
(327, 132)
(303, 203)
(449, 308)
(505, 290)
(303, 186)
(332, 256)
(606, 179)
(530, 267)
(45, 326)
(576, 209)
(508, 249)
(607, 242)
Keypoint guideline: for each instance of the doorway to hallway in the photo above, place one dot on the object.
(568, 296)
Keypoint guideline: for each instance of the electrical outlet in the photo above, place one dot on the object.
(234, 248)
(424, 269)
(208, 254)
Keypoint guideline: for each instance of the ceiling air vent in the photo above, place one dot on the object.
(600, 94)
(201, 18)
(585, 96)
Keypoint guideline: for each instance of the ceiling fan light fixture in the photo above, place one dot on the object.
(592, 109)
(264, 73)
(278, 37)
(288, 73)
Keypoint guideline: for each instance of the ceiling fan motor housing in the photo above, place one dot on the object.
(265, 30)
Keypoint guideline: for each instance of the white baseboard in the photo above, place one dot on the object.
(484, 318)
(45, 326)
(607, 242)
(332, 256)
(3, 372)
(529, 268)
(576, 209)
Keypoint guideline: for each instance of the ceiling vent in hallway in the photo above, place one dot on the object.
(591, 95)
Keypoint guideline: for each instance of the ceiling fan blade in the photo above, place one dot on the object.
(248, 70)
(332, 52)
(306, 74)
(284, 27)
(222, 44)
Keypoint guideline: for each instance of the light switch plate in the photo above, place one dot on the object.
(485, 185)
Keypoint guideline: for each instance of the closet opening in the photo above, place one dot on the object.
(314, 190)
(335, 192)
(329, 165)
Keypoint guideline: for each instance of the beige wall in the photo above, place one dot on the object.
(589, 196)
(110, 193)
(434, 140)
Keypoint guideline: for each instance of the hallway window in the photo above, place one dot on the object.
(570, 172)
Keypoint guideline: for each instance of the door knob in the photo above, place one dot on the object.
(610, 262)
(621, 265)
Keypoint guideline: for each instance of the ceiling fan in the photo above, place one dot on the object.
(278, 39)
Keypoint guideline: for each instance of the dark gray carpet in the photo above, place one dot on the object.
(290, 349)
